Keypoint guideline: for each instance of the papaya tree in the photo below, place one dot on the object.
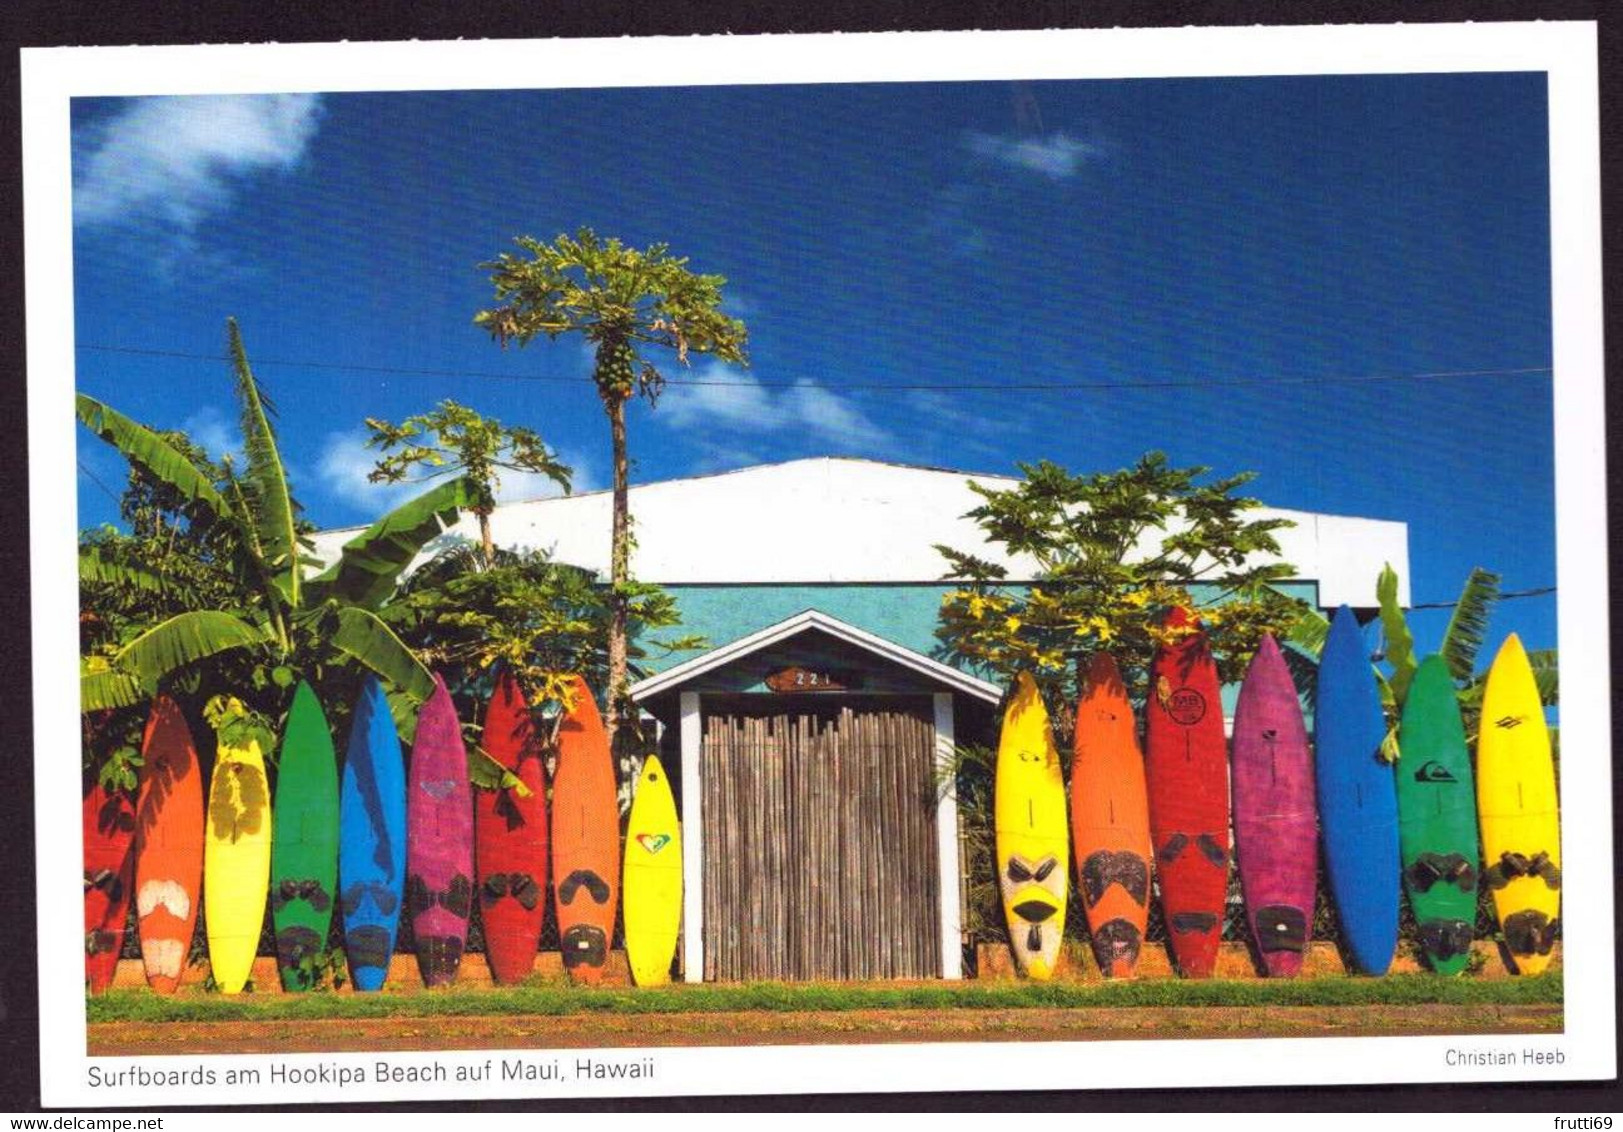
(1110, 553)
(274, 618)
(629, 305)
(455, 438)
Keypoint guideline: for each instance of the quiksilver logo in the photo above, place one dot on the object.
(1434, 772)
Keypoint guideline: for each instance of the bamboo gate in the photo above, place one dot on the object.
(819, 841)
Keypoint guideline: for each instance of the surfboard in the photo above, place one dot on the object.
(304, 856)
(1437, 826)
(1516, 799)
(653, 877)
(168, 846)
(109, 844)
(371, 838)
(236, 862)
(1276, 831)
(1187, 775)
(1358, 799)
(1110, 819)
(510, 838)
(585, 838)
(1032, 835)
(439, 840)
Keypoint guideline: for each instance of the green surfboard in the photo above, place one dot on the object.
(304, 854)
(1437, 823)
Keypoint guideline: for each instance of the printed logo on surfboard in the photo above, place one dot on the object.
(1186, 706)
(653, 842)
(1434, 771)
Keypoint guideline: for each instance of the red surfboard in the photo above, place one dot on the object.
(1188, 777)
(168, 845)
(585, 839)
(109, 830)
(510, 838)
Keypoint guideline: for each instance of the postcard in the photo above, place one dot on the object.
(876, 562)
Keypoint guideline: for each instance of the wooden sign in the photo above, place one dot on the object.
(798, 679)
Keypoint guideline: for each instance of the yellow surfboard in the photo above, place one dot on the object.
(1033, 837)
(236, 863)
(1516, 800)
(652, 890)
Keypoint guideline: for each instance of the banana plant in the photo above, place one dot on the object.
(284, 619)
(1462, 643)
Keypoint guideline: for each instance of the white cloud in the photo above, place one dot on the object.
(209, 428)
(746, 406)
(173, 161)
(346, 461)
(1056, 157)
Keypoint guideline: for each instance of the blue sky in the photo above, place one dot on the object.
(1126, 234)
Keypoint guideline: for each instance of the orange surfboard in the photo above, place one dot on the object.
(1110, 819)
(168, 846)
(585, 839)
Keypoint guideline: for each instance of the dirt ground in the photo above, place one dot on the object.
(810, 1028)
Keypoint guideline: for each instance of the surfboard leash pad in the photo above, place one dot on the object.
(1116, 941)
(1193, 921)
(584, 945)
(520, 886)
(310, 891)
(456, 898)
(1512, 865)
(438, 957)
(594, 885)
(1452, 868)
(368, 945)
(1530, 932)
(1445, 939)
(1281, 927)
(1123, 867)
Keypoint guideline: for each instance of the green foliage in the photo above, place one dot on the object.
(1399, 641)
(616, 296)
(1111, 553)
(456, 438)
(1468, 624)
(623, 301)
(205, 595)
(541, 620)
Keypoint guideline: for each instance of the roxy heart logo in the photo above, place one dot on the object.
(653, 842)
(1434, 771)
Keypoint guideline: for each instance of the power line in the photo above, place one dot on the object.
(896, 387)
(95, 479)
(1510, 596)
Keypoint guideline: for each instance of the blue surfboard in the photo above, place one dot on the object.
(1358, 801)
(371, 839)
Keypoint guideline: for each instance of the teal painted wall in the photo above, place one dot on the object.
(905, 614)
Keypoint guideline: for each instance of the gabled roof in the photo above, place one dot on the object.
(812, 620)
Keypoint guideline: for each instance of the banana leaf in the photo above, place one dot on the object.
(1468, 624)
(360, 634)
(1546, 664)
(369, 569)
(181, 640)
(274, 509)
(151, 453)
(1399, 641)
(105, 688)
(94, 568)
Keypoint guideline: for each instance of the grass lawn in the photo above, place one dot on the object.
(559, 999)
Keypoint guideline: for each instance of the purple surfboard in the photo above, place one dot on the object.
(439, 839)
(1275, 830)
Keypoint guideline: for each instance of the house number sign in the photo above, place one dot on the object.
(798, 679)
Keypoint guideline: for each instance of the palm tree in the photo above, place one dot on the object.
(622, 301)
(281, 618)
